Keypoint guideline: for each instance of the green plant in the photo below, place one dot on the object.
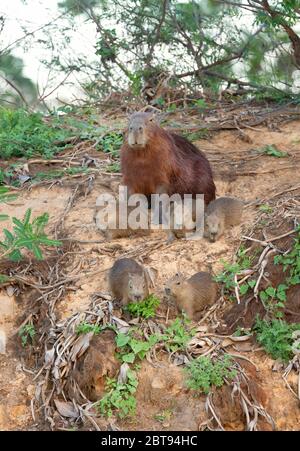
(85, 328)
(5, 196)
(26, 235)
(273, 299)
(178, 334)
(119, 397)
(265, 208)
(27, 333)
(204, 372)
(130, 347)
(57, 173)
(24, 134)
(291, 261)
(272, 150)
(114, 167)
(145, 309)
(276, 337)
(111, 143)
(163, 416)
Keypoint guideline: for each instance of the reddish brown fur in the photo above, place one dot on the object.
(167, 161)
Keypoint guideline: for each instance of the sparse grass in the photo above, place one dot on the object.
(146, 309)
(276, 337)
(204, 373)
(57, 173)
(119, 398)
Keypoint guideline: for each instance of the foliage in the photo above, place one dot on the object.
(291, 261)
(27, 334)
(5, 196)
(11, 69)
(204, 372)
(146, 309)
(177, 335)
(25, 134)
(28, 235)
(85, 328)
(119, 397)
(130, 347)
(276, 337)
(273, 299)
(272, 150)
(265, 208)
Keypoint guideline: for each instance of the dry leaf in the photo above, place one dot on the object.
(66, 409)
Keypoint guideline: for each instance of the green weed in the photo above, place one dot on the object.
(204, 372)
(276, 337)
(272, 151)
(146, 309)
(27, 334)
(119, 398)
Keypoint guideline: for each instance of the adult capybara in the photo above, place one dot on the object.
(154, 160)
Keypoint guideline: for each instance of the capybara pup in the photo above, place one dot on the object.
(127, 281)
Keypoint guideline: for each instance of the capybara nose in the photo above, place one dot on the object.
(212, 237)
(137, 297)
(167, 290)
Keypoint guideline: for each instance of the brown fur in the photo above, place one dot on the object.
(193, 294)
(221, 214)
(164, 162)
(128, 281)
(114, 232)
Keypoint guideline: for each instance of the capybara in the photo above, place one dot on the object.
(113, 216)
(154, 160)
(128, 281)
(193, 294)
(221, 214)
(185, 222)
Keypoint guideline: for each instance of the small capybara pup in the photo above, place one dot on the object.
(128, 281)
(154, 160)
(184, 222)
(193, 294)
(221, 214)
(114, 214)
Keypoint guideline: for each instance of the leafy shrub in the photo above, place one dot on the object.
(25, 134)
(203, 373)
(276, 337)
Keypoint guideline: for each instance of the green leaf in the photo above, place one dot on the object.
(128, 358)
(122, 340)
